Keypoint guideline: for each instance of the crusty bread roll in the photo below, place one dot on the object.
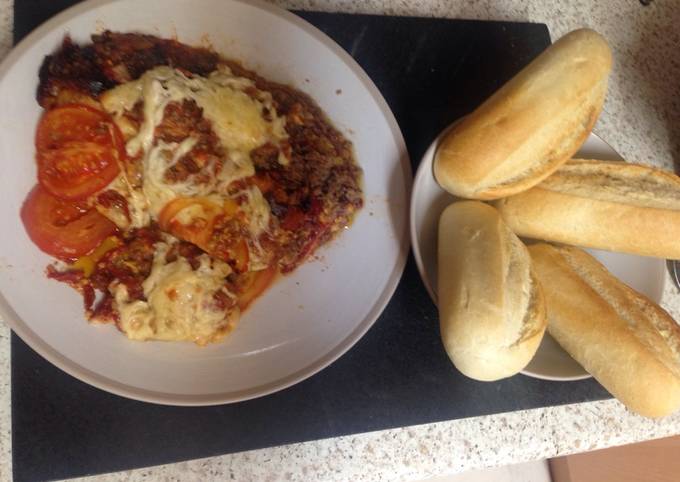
(491, 309)
(627, 342)
(601, 204)
(534, 123)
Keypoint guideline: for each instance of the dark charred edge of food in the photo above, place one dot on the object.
(126, 56)
(114, 58)
(70, 68)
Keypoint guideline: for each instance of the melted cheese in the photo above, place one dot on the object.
(256, 209)
(161, 157)
(238, 119)
(257, 213)
(190, 213)
(138, 206)
(179, 301)
(180, 304)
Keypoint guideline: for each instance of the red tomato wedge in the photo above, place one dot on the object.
(61, 228)
(239, 255)
(193, 220)
(200, 215)
(79, 151)
(259, 282)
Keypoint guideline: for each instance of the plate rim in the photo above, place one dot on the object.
(23, 330)
(426, 159)
(422, 171)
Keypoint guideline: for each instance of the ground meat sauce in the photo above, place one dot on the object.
(129, 264)
(181, 120)
(311, 198)
(318, 192)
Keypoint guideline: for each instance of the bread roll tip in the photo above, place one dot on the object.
(531, 125)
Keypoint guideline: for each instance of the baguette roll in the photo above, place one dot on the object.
(532, 125)
(627, 342)
(601, 204)
(491, 309)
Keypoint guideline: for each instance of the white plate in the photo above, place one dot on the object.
(306, 320)
(551, 362)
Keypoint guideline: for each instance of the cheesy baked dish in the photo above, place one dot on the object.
(175, 185)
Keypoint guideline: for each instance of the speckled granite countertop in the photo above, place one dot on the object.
(641, 120)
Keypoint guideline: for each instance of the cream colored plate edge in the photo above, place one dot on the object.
(551, 362)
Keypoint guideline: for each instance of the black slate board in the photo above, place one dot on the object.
(431, 72)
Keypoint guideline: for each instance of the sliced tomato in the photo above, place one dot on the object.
(61, 228)
(76, 171)
(79, 151)
(239, 255)
(193, 220)
(73, 122)
(190, 219)
(259, 281)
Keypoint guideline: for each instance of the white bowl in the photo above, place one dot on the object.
(306, 320)
(551, 362)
